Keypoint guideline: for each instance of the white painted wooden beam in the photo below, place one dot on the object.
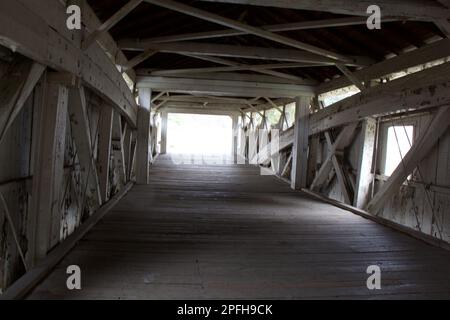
(231, 69)
(105, 40)
(416, 9)
(28, 29)
(256, 110)
(15, 88)
(211, 17)
(143, 148)
(202, 99)
(222, 87)
(164, 127)
(341, 178)
(22, 287)
(314, 156)
(223, 50)
(262, 69)
(118, 149)
(342, 141)
(351, 76)
(235, 132)
(48, 172)
(158, 96)
(111, 22)
(338, 22)
(294, 79)
(336, 161)
(197, 105)
(301, 143)
(365, 163)
(421, 90)
(159, 106)
(127, 143)
(139, 59)
(104, 149)
(420, 149)
(252, 144)
(208, 103)
(132, 162)
(275, 106)
(333, 164)
(431, 52)
(286, 167)
(217, 112)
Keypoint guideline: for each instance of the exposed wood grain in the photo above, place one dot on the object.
(48, 170)
(23, 286)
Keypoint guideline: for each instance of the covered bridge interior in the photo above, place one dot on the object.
(340, 153)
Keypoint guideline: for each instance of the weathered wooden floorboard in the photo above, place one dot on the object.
(225, 231)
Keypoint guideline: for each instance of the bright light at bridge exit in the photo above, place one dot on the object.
(199, 134)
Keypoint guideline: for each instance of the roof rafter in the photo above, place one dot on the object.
(232, 68)
(224, 87)
(211, 17)
(307, 25)
(111, 22)
(416, 9)
(359, 84)
(222, 50)
(250, 68)
(434, 51)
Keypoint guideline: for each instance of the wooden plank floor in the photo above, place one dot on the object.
(225, 231)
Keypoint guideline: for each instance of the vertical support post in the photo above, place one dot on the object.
(127, 141)
(235, 119)
(48, 172)
(279, 160)
(246, 135)
(243, 140)
(143, 147)
(104, 149)
(164, 123)
(301, 144)
(366, 158)
(118, 147)
(252, 142)
(315, 146)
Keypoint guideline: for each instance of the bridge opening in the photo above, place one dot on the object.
(224, 149)
(199, 135)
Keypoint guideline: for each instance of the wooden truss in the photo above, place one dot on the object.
(116, 138)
